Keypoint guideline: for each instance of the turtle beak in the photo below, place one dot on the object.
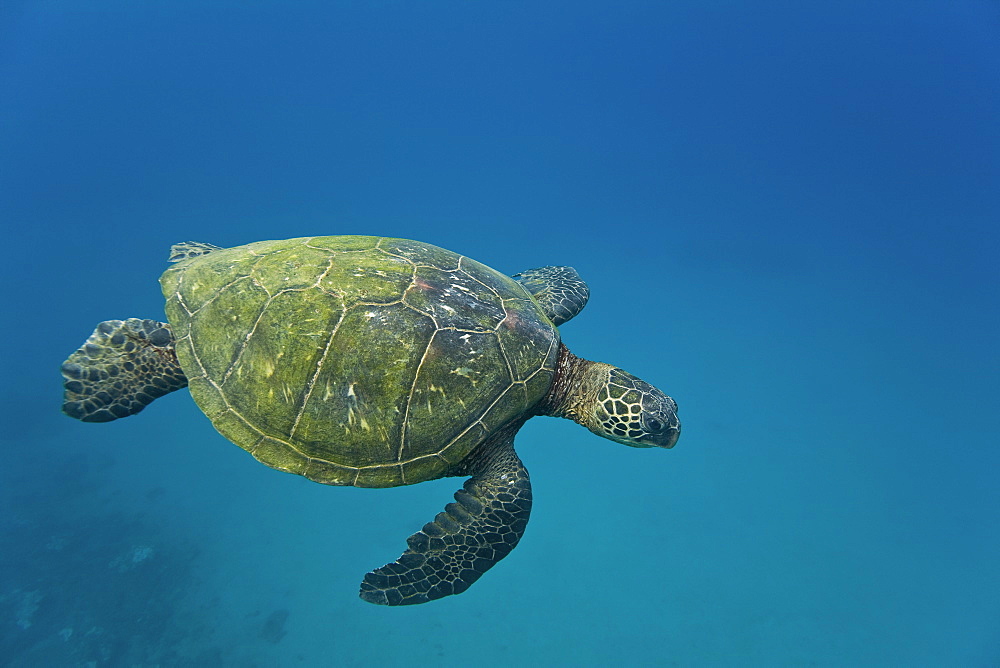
(665, 439)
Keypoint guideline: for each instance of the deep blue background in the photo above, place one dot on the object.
(788, 214)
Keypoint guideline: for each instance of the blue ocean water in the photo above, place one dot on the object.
(788, 214)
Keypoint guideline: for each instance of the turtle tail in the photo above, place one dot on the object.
(122, 367)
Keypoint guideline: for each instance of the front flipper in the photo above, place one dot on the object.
(558, 290)
(189, 249)
(122, 367)
(464, 541)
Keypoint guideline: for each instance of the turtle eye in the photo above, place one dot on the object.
(653, 424)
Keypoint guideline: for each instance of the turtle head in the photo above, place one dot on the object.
(629, 410)
(612, 403)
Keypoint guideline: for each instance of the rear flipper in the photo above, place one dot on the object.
(464, 541)
(122, 367)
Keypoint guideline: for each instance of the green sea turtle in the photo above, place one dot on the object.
(374, 362)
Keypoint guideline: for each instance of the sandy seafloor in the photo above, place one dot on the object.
(787, 213)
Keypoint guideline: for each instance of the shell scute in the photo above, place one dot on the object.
(233, 309)
(458, 377)
(342, 244)
(454, 299)
(273, 372)
(353, 409)
(522, 333)
(366, 276)
(292, 268)
(420, 254)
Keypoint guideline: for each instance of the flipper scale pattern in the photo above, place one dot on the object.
(479, 529)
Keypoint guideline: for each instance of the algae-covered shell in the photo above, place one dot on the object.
(355, 360)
